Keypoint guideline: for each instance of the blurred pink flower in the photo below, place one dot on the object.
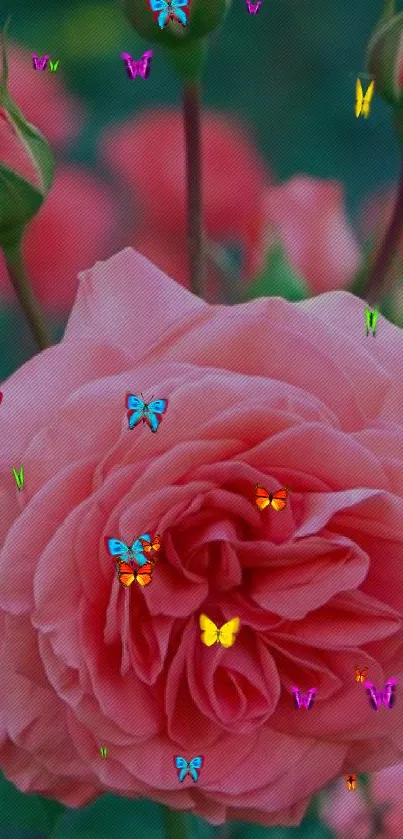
(309, 216)
(42, 97)
(346, 813)
(387, 790)
(76, 225)
(148, 152)
(317, 587)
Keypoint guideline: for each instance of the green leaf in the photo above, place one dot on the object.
(111, 817)
(18, 810)
(309, 829)
(278, 278)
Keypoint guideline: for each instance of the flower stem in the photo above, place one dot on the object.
(389, 9)
(176, 823)
(192, 123)
(25, 295)
(377, 277)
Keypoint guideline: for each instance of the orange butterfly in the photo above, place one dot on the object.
(360, 675)
(151, 543)
(278, 500)
(127, 575)
(351, 781)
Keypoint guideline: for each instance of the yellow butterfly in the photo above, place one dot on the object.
(363, 101)
(211, 634)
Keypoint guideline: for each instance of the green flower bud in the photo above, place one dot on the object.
(27, 180)
(203, 16)
(385, 59)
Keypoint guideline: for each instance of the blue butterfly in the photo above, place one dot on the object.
(140, 411)
(188, 768)
(126, 554)
(169, 9)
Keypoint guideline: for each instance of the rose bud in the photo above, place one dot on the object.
(202, 17)
(26, 166)
(385, 59)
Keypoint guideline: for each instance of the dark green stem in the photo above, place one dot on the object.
(376, 281)
(176, 823)
(192, 123)
(25, 295)
(389, 9)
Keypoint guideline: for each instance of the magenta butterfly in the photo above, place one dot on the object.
(138, 68)
(40, 63)
(386, 696)
(253, 8)
(301, 701)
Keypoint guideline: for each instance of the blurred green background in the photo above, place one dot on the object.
(290, 72)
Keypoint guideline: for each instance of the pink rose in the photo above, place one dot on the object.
(268, 392)
(309, 216)
(76, 224)
(42, 96)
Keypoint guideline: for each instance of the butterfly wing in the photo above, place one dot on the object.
(158, 5)
(182, 17)
(358, 98)
(390, 695)
(145, 541)
(144, 574)
(153, 413)
(374, 320)
(182, 765)
(135, 409)
(194, 767)
(138, 548)
(372, 694)
(156, 543)
(368, 320)
(117, 548)
(279, 499)
(351, 782)
(309, 698)
(163, 17)
(125, 572)
(262, 497)
(296, 697)
(367, 99)
(209, 630)
(228, 632)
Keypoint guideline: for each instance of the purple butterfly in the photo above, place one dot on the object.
(386, 696)
(40, 63)
(253, 8)
(301, 701)
(138, 68)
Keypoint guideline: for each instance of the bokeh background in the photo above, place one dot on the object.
(289, 74)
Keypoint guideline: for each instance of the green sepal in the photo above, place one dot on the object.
(19, 203)
(19, 199)
(188, 59)
(278, 278)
